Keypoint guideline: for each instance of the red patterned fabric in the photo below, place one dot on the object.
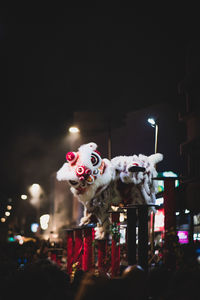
(115, 260)
(69, 251)
(102, 255)
(87, 250)
(78, 247)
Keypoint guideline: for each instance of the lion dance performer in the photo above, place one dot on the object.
(99, 183)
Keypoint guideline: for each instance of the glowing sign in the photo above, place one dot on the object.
(11, 239)
(183, 237)
(196, 236)
(159, 220)
(166, 174)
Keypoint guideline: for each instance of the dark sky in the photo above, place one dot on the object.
(58, 60)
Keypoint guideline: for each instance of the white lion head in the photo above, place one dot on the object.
(86, 171)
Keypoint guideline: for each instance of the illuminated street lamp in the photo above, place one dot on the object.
(35, 190)
(36, 193)
(24, 197)
(152, 121)
(154, 124)
(74, 129)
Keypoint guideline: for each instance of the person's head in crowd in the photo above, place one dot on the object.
(92, 287)
(134, 282)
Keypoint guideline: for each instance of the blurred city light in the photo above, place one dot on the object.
(34, 227)
(44, 221)
(159, 201)
(35, 190)
(121, 218)
(166, 174)
(74, 129)
(23, 197)
(19, 238)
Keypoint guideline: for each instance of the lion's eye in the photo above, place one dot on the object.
(95, 159)
(96, 171)
(73, 182)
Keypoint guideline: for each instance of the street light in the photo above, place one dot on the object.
(74, 129)
(154, 123)
(24, 197)
(35, 190)
(36, 193)
(73, 136)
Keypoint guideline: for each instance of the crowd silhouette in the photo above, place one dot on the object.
(28, 272)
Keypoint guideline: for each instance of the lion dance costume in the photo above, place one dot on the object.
(99, 183)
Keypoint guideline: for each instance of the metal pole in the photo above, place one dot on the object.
(109, 147)
(156, 138)
(143, 236)
(170, 221)
(153, 214)
(109, 141)
(191, 228)
(131, 235)
(152, 233)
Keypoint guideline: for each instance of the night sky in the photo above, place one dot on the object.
(57, 61)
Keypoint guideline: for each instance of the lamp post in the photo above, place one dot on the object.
(109, 141)
(156, 137)
(154, 124)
